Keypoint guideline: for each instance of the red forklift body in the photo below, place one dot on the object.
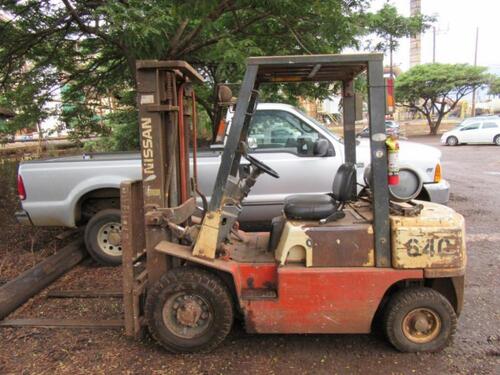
(323, 300)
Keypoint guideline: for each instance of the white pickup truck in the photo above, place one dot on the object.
(75, 190)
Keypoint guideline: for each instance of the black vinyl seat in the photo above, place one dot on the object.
(309, 206)
(322, 206)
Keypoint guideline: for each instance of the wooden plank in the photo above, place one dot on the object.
(17, 291)
(84, 294)
(69, 233)
(62, 323)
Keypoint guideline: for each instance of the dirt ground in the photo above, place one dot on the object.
(474, 174)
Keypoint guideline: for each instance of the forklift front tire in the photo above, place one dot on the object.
(189, 310)
(419, 320)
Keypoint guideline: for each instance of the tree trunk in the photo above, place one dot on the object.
(434, 126)
(430, 123)
(40, 138)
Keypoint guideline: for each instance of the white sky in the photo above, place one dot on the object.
(455, 32)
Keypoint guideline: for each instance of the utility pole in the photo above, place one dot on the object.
(433, 44)
(475, 64)
(390, 57)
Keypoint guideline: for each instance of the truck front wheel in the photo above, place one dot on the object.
(419, 320)
(103, 237)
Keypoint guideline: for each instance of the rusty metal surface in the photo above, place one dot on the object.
(258, 294)
(311, 67)
(459, 286)
(249, 275)
(155, 88)
(308, 299)
(342, 246)
(427, 248)
(133, 243)
(249, 248)
(431, 273)
(184, 252)
(176, 215)
(170, 65)
(323, 300)
(433, 239)
(181, 213)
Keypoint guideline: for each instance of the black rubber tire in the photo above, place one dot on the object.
(452, 141)
(496, 140)
(91, 232)
(202, 283)
(406, 300)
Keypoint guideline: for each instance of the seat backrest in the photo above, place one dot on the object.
(344, 183)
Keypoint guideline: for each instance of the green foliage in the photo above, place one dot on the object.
(437, 88)
(494, 86)
(388, 25)
(80, 117)
(91, 47)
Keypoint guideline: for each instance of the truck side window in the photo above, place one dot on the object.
(490, 125)
(470, 127)
(280, 130)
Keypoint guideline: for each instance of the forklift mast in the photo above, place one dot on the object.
(167, 114)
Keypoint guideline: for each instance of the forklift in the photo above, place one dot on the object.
(339, 262)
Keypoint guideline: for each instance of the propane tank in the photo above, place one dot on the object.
(392, 160)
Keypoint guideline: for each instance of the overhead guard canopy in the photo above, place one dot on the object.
(314, 68)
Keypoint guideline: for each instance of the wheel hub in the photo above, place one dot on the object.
(115, 237)
(421, 325)
(187, 315)
(109, 238)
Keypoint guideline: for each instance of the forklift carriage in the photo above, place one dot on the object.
(332, 263)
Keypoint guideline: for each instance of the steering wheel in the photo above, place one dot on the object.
(261, 166)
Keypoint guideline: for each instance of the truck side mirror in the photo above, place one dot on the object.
(252, 143)
(321, 147)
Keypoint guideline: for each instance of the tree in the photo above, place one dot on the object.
(437, 87)
(31, 99)
(494, 86)
(95, 44)
(390, 26)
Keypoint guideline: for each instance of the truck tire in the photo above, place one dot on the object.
(189, 310)
(103, 237)
(419, 320)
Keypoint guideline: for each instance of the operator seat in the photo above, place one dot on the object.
(323, 206)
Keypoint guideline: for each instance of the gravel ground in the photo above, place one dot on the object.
(474, 173)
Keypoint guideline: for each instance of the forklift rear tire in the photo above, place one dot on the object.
(189, 310)
(419, 320)
(103, 237)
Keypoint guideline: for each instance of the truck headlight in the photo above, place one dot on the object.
(437, 173)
